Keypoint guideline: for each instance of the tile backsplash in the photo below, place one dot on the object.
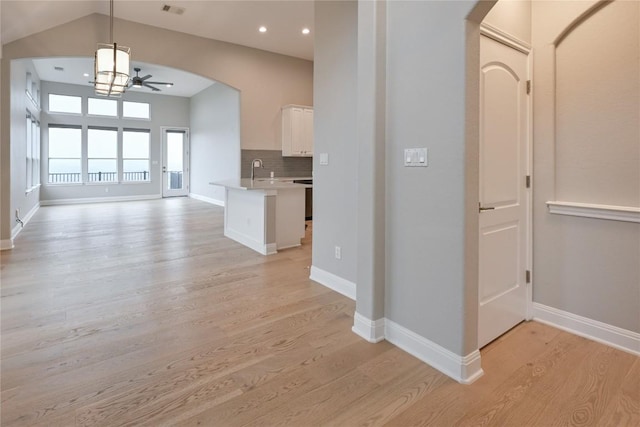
(272, 160)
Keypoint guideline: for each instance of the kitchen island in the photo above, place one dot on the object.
(264, 214)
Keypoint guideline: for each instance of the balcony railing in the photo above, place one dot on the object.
(55, 178)
(72, 177)
(175, 180)
(102, 176)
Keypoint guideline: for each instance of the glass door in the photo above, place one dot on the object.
(175, 162)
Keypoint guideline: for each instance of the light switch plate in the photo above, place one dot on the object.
(415, 157)
(324, 159)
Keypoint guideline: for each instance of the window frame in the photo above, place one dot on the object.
(107, 116)
(124, 116)
(50, 111)
(88, 158)
(80, 159)
(148, 158)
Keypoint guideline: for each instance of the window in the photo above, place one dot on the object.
(103, 107)
(65, 104)
(29, 84)
(135, 155)
(29, 155)
(65, 154)
(136, 110)
(35, 138)
(102, 155)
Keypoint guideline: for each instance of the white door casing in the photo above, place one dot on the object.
(504, 238)
(175, 162)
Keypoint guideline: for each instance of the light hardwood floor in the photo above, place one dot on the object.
(142, 313)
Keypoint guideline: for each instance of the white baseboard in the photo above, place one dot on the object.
(370, 330)
(604, 333)
(248, 241)
(6, 244)
(331, 281)
(17, 228)
(465, 369)
(99, 200)
(207, 199)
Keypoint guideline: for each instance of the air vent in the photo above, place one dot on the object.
(58, 68)
(173, 9)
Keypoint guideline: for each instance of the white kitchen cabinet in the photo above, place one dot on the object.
(297, 131)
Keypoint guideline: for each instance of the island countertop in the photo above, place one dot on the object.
(261, 184)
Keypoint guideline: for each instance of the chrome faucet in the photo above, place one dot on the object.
(255, 163)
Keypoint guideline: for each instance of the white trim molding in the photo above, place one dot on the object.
(18, 227)
(207, 199)
(250, 242)
(331, 281)
(370, 330)
(465, 369)
(6, 244)
(613, 336)
(589, 210)
(57, 202)
(504, 38)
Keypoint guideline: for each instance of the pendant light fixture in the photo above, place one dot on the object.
(111, 65)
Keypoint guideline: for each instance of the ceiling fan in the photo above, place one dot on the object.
(138, 82)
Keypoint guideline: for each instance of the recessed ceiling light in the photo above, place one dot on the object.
(262, 29)
(306, 31)
(86, 74)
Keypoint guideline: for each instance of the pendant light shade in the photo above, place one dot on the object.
(111, 65)
(111, 69)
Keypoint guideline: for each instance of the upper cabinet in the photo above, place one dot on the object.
(297, 131)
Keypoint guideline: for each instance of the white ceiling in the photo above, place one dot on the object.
(234, 21)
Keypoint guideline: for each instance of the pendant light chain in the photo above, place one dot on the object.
(111, 21)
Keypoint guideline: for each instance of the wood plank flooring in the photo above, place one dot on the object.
(142, 313)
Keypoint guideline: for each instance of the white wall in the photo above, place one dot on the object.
(427, 290)
(5, 156)
(512, 17)
(587, 149)
(215, 139)
(428, 286)
(165, 111)
(20, 199)
(335, 186)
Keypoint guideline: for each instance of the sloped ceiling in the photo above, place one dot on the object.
(231, 21)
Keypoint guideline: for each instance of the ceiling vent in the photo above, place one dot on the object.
(173, 9)
(58, 68)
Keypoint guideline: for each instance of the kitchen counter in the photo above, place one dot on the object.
(261, 183)
(264, 214)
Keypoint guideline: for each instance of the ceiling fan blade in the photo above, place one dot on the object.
(148, 76)
(153, 88)
(160, 83)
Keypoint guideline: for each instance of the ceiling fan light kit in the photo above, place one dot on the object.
(111, 65)
(139, 82)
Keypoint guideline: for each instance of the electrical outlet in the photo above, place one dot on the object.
(106, 189)
(338, 252)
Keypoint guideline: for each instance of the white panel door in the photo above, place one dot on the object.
(175, 162)
(504, 201)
